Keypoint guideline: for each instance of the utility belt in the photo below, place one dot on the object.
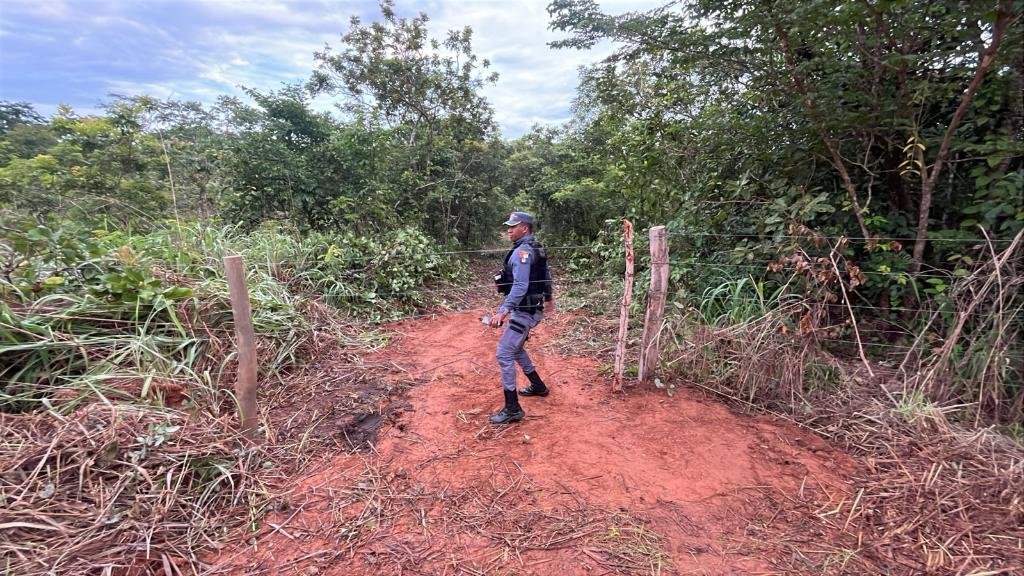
(530, 303)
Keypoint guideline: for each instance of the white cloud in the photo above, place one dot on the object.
(155, 89)
(30, 35)
(536, 83)
(55, 9)
(306, 14)
(291, 47)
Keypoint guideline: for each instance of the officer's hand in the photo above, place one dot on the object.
(498, 319)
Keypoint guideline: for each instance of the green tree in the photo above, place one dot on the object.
(93, 167)
(393, 71)
(886, 94)
(291, 163)
(23, 132)
(425, 93)
(194, 153)
(15, 113)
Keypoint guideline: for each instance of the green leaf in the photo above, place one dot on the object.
(177, 293)
(994, 213)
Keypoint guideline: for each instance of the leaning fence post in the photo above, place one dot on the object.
(245, 382)
(650, 350)
(627, 297)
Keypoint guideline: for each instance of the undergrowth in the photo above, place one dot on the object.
(935, 420)
(81, 309)
(119, 452)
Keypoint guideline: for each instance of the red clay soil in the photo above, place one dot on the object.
(591, 482)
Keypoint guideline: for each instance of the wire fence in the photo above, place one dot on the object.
(809, 237)
(438, 297)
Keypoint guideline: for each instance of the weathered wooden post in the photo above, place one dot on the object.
(650, 350)
(245, 382)
(627, 298)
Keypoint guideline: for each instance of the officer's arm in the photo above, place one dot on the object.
(520, 280)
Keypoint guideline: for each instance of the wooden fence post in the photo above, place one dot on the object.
(627, 298)
(650, 350)
(245, 382)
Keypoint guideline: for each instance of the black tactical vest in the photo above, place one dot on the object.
(539, 289)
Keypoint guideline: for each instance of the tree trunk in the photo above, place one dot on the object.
(204, 202)
(819, 125)
(928, 183)
(894, 182)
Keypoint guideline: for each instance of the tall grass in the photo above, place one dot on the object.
(979, 363)
(741, 301)
(106, 313)
(738, 336)
(766, 342)
(928, 423)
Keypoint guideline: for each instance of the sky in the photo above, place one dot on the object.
(77, 52)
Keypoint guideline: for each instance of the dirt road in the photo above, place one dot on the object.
(590, 482)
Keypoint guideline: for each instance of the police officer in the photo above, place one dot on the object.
(526, 281)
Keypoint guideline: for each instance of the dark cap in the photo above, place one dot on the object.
(518, 218)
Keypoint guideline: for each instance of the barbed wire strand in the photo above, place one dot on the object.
(754, 235)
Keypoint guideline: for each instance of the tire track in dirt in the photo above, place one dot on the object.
(589, 483)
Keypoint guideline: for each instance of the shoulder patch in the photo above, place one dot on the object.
(524, 255)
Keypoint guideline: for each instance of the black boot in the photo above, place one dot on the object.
(512, 412)
(536, 388)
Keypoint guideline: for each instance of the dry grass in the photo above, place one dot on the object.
(932, 496)
(936, 493)
(115, 486)
(588, 335)
(928, 500)
(937, 497)
(134, 487)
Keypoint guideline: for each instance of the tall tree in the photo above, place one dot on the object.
(14, 113)
(427, 92)
(393, 70)
(883, 92)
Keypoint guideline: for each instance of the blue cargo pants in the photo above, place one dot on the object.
(510, 346)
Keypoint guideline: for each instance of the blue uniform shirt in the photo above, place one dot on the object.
(522, 258)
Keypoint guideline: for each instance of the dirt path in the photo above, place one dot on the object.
(589, 483)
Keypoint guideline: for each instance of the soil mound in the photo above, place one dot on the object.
(590, 482)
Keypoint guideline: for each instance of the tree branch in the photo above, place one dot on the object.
(1003, 18)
